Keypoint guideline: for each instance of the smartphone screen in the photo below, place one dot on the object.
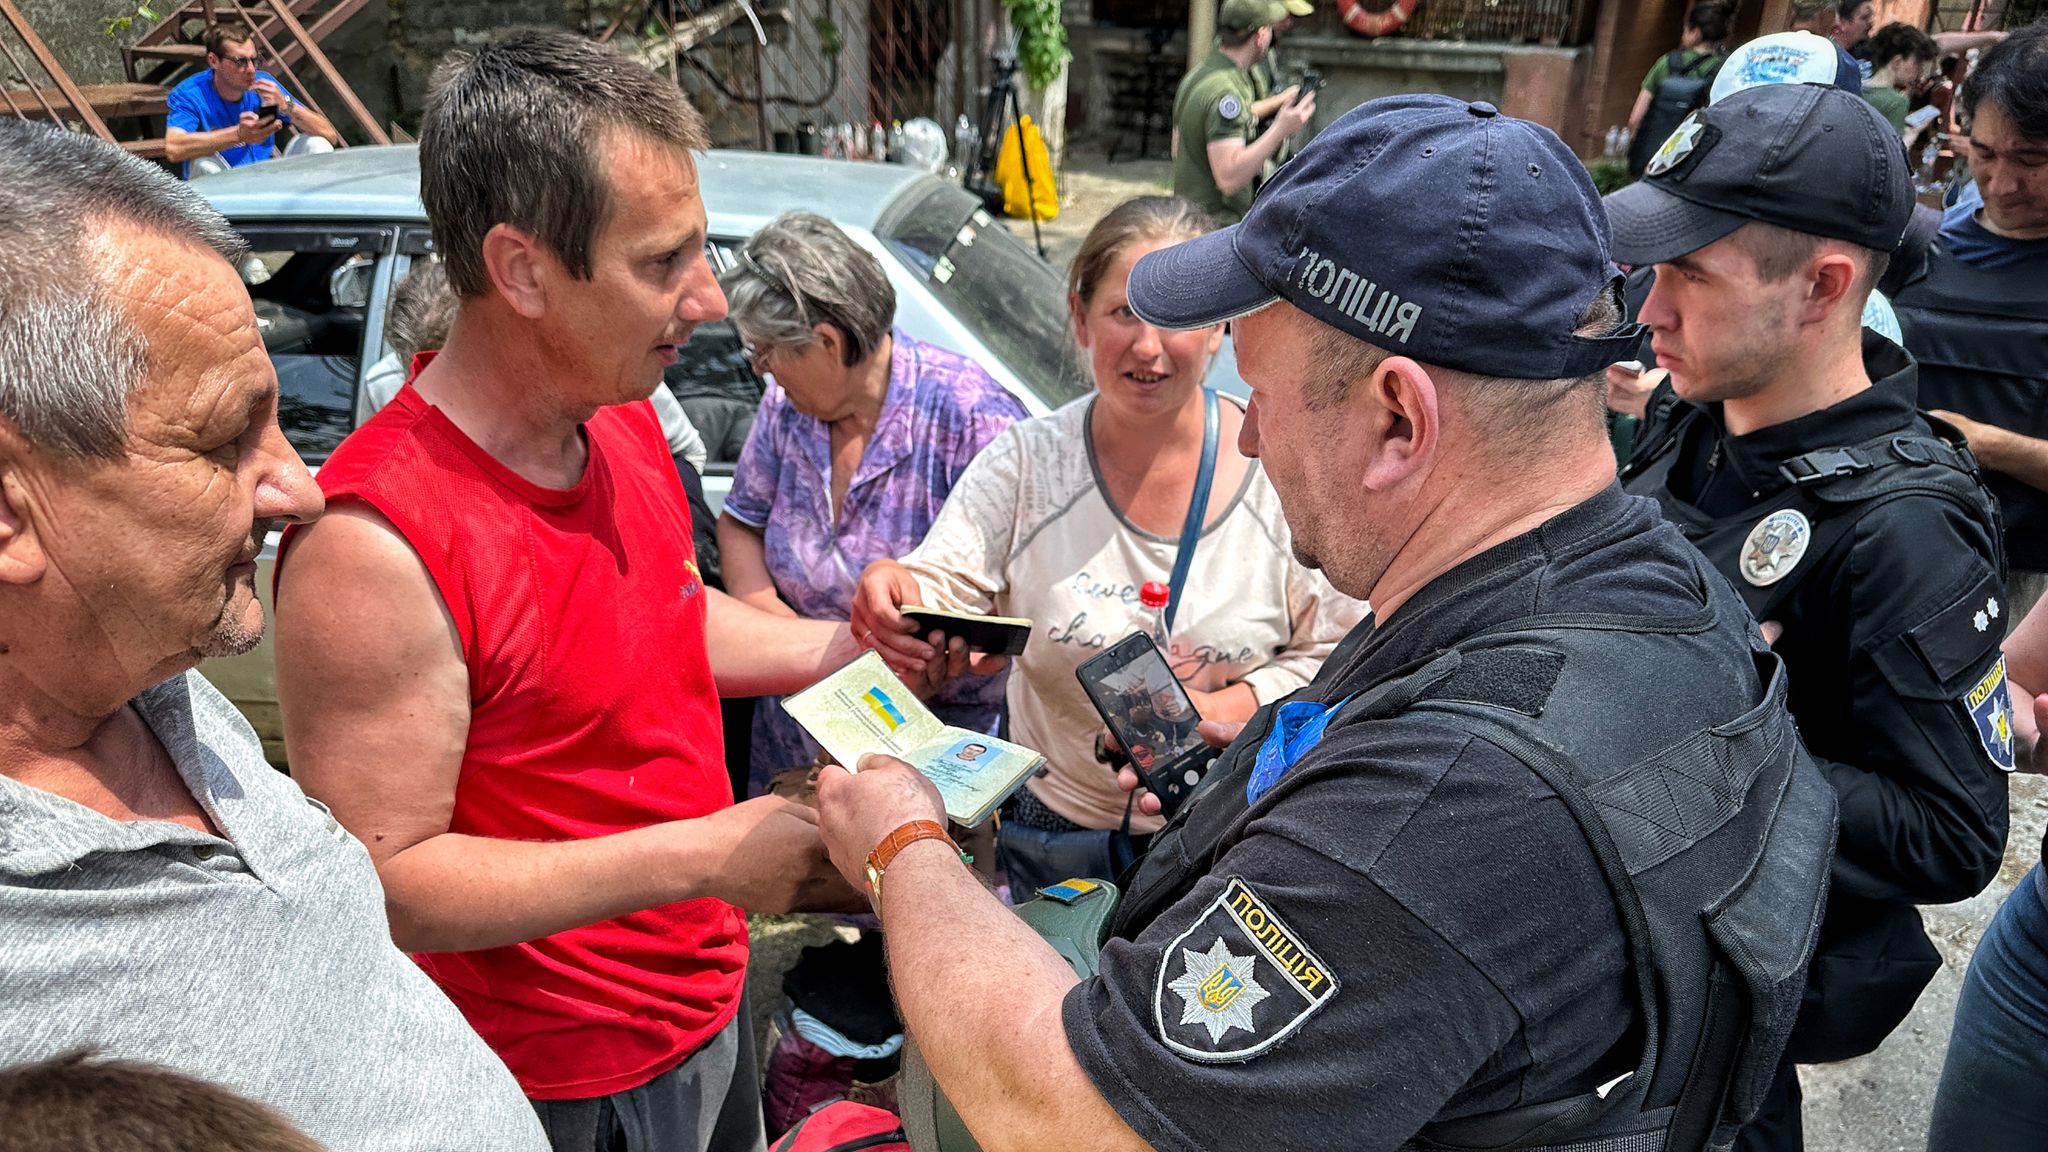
(265, 111)
(1144, 705)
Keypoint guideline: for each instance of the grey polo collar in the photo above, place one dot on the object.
(42, 833)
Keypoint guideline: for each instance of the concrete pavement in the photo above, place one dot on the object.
(1881, 1102)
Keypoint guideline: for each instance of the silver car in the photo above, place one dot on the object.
(334, 233)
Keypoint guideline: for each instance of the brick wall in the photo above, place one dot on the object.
(1627, 39)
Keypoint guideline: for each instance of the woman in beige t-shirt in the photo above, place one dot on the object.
(1062, 518)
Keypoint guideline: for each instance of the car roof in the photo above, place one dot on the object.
(743, 189)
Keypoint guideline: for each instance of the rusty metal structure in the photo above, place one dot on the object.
(1986, 15)
(777, 73)
(1550, 22)
(1521, 22)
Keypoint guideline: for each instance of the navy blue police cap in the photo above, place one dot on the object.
(1804, 157)
(1426, 226)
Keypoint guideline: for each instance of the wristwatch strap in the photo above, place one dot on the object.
(904, 837)
(885, 853)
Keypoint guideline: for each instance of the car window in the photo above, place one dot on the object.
(1009, 298)
(311, 290)
(713, 382)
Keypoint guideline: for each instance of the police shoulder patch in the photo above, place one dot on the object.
(1990, 707)
(1230, 107)
(1237, 982)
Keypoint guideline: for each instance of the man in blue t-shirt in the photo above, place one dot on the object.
(1976, 316)
(220, 111)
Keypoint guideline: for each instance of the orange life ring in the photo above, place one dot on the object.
(1366, 22)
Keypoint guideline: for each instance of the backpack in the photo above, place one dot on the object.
(1683, 90)
(845, 1127)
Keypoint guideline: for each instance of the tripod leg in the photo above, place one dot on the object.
(991, 129)
(1024, 162)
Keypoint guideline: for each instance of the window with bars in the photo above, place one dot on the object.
(1991, 15)
(1491, 21)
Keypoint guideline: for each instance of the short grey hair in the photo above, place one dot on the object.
(69, 357)
(1511, 413)
(423, 309)
(800, 270)
(516, 134)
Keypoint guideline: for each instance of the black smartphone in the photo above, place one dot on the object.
(990, 635)
(265, 111)
(1148, 711)
(1311, 83)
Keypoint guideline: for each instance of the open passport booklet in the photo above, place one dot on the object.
(864, 708)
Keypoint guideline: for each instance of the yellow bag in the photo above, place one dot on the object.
(1010, 170)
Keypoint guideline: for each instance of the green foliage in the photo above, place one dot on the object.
(1610, 174)
(117, 25)
(1041, 39)
(829, 40)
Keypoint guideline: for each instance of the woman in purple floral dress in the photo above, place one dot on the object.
(861, 434)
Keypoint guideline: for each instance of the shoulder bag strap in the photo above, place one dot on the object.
(1198, 505)
(1122, 852)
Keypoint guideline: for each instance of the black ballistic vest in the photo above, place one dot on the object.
(1714, 834)
(1832, 487)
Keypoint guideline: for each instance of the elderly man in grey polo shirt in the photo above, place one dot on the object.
(164, 895)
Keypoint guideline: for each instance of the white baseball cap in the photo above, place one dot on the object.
(1780, 58)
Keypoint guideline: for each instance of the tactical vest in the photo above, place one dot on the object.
(1711, 825)
(1833, 488)
(1980, 336)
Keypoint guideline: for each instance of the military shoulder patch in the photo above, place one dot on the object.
(1230, 107)
(1990, 706)
(1237, 982)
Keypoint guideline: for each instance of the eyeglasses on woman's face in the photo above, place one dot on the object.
(757, 356)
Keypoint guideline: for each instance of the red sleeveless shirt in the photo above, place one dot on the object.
(592, 711)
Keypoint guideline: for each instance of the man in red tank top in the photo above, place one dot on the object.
(496, 659)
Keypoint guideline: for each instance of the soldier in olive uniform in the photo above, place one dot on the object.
(1265, 74)
(1218, 151)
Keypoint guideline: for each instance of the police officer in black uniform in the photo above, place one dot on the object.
(1785, 445)
(1537, 858)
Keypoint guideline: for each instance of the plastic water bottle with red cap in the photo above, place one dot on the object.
(1154, 596)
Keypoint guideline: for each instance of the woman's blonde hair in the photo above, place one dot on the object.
(1142, 220)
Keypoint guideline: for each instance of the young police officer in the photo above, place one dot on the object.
(1786, 446)
(1485, 880)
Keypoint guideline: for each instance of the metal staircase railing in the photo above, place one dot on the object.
(46, 92)
(34, 86)
(286, 34)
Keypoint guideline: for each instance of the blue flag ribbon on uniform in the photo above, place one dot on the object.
(1297, 727)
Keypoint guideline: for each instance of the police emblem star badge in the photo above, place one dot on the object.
(1218, 990)
(1775, 546)
(1676, 147)
(1237, 982)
